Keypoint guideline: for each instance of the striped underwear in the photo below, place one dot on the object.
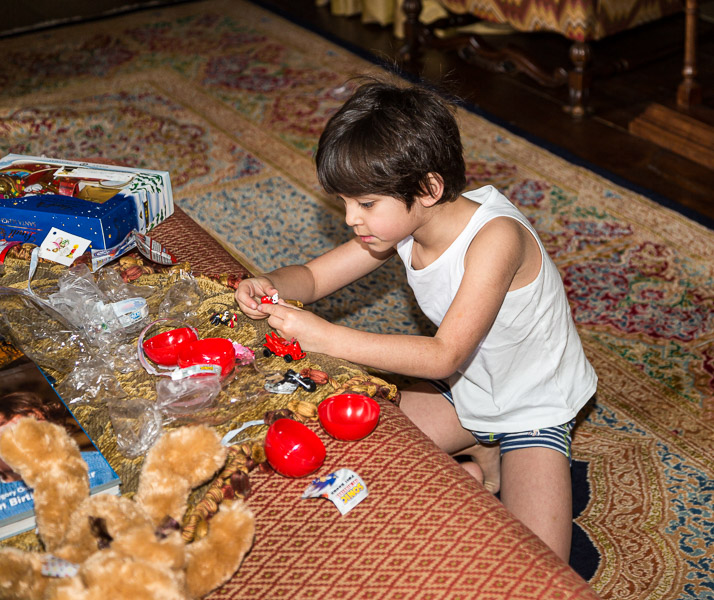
(558, 437)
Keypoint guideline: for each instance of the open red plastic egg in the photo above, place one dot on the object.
(163, 348)
(293, 449)
(348, 416)
(208, 351)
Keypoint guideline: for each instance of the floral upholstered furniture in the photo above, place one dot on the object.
(580, 21)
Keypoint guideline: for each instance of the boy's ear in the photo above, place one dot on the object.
(436, 189)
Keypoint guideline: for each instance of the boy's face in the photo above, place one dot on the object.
(380, 222)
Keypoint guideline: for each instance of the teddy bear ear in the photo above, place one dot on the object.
(50, 462)
(179, 461)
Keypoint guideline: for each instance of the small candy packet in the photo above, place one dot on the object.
(343, 487)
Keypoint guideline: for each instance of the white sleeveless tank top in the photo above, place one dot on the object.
(530, 371)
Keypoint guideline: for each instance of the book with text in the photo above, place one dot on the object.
(26, 391)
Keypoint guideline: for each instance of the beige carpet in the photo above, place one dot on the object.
(231, 99)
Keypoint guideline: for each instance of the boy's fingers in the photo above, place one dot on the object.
(268, 309)
(287, 304)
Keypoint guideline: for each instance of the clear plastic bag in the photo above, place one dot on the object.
(123, 358)
(47, 342)
(91, 379)
(182, 300)
(137, 425)
(111, 284)
(104, 322)
(181, 397)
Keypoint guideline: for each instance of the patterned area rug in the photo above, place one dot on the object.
(231, 99)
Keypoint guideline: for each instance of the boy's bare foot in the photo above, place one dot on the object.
(485, 466)
(471, 467)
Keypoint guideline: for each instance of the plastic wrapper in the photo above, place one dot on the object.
(111, 284)
(87, 307)
(123, 358)
(243, 385)
(182, 300)
(244, 433)
(137, 425)
(211, 400)
(91, 379)
(213, 416)
(45, 341)
(183, 397)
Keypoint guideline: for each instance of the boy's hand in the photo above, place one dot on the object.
(292, 322)
(249, 293)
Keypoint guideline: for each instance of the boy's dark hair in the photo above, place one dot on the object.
(386, 140)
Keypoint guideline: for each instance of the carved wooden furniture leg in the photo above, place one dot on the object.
(579, 80)
(687, 130)
(412, 34)
(689, 92)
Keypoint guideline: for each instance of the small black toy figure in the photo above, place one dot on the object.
(304, 382)
(290, 383)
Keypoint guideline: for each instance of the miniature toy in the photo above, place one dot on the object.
(281, 387)
(290, 382)
(111, 547)
(225, 318)
(278, 346)
(304, 382)
(270, 299)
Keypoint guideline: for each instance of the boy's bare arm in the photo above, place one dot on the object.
(406, 354)
(316, 279)
(343, 265)
(492, 261)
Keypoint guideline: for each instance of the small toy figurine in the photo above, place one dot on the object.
(278, 346)
(270, 299)
(281, 387)
(225, 318)
(290, 383)
(244, 356)
(304, 382)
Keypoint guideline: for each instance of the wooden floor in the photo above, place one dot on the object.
(602, 140)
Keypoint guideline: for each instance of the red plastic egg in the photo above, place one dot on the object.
(348, 416)
(292, 449)
(208, 351)
(163, 348)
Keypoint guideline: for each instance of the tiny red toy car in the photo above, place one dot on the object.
(278, 346)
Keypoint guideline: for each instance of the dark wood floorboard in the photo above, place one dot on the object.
(602, 140)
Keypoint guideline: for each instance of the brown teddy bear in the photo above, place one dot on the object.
(111, 547)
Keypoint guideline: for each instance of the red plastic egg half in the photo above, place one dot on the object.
(208, 351)
(348, 416)
(292, 449)
(163, 348)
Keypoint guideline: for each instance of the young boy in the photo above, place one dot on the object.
(506, 342)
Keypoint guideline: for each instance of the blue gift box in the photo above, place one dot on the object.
(101, 203)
